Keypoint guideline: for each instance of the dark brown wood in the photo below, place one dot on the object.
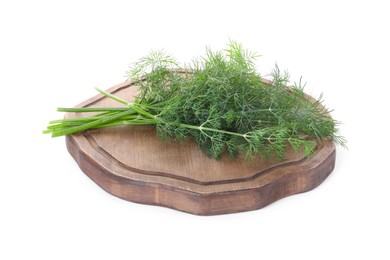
(130, 162)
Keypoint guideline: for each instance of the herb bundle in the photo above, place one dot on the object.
(220, 101)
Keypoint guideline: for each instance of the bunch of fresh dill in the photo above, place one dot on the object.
(220, 101)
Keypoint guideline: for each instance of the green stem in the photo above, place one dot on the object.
(202, 128)
(109, 95)
(136, 107)
(80, 120)
(90, 109)
(129, 122)
(92, 124)
(141, 111)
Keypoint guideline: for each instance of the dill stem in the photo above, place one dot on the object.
(90, 109)
(109, 95)
(201, 128)
(129, 122)
(92, 124)
(136, 107)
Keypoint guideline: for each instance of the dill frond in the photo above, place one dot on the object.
(221, 102)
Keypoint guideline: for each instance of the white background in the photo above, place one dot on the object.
(53, 53)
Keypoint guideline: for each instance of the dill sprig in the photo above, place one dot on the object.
(220, 101)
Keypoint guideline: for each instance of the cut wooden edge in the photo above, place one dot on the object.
(306, 179)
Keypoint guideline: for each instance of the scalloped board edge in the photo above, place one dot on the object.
(204, 204)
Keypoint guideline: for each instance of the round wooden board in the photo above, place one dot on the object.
(130, 162)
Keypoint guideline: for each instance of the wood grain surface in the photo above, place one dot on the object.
(130, 162)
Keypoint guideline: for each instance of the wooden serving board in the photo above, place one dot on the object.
(130, 162)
